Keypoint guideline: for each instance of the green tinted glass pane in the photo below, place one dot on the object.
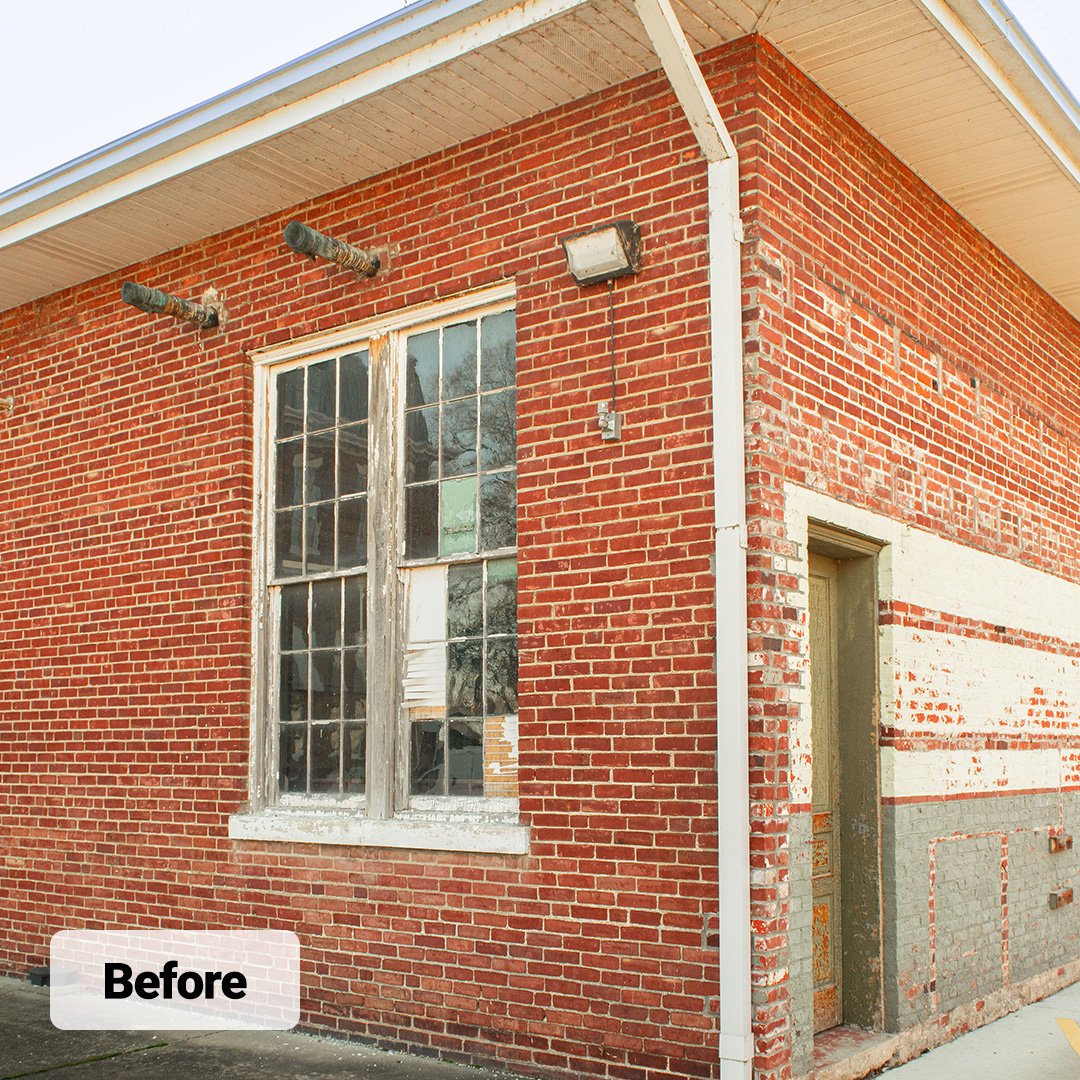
(421, 521)
(498, 511)
(459, 360)
(353, 397)
(464, 678)
(288, 543)
(290, 403)
(352, 459)
(325, 614)
(355, 610)
(292, 758)
(290, 474)
(325, 758)
(498, 431)
(464, 610)
(319, 474)
(497, 342)
(459, 437)
(354, 691)
(319, 522)
(466, 757)
(421, 445)
(501, 689)
(354, 759)
(293, 695)
(422, 369)
(321, 395)
(352, 532)
(427, 765)
(458, 515)
(502, 596)
(294, 617)
(325, 685)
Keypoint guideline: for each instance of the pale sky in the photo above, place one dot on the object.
(76, 74)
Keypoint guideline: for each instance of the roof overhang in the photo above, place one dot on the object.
(952, 87)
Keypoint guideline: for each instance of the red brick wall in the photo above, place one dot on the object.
(124, 621)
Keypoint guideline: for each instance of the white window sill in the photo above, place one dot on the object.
(431, 830)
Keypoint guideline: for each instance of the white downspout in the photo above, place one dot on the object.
(729, 465)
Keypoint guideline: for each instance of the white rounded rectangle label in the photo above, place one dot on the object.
(177, 980)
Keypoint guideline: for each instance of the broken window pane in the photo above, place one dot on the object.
(497, 366)
(422, 369)
(466, 757)
(321, 395)
(464, 676)
(325, 757)
(421, 521)
(354, 759)
(458, 514)
(294, 614)
(290, 403)
(421, 445)
(288, 543)
(426, 758)
(464, 595)
(459, 437)
(498, 431)
(292, 691)
(353, 403)
(290, 474)
(319, 475)
(502, 596)
(498, 511)
(292, 758)
(352, 460)
(501, 695)
(325, 614)
(325, 686)
(352, 532)
(320, 538)
(459, 361)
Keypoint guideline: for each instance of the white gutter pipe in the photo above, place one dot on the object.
(729, 495)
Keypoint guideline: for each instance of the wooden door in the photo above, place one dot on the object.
(825, 750)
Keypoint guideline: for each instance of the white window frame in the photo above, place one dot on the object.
(386, 815)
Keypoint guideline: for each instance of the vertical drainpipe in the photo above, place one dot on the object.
(725, 307)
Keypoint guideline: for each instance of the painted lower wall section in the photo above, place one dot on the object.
(979, 698)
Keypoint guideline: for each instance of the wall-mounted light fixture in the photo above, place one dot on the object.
(604, 254)
(304, 240)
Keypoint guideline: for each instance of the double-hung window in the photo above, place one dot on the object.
(385, 703)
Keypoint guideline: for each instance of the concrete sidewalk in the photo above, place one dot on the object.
(30, 1045)
(1026, 1045)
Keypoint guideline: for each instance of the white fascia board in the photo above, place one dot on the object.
(1017, 72)
(91, 192)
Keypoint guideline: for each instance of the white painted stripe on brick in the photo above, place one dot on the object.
(907, 774)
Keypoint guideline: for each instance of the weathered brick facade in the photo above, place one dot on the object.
(897, 364)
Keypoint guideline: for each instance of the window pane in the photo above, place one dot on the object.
(352, 459)
(464, 609)
(355, 686)
(459, 361)
(290, 474)
(353, 402)
(288, 543)
(421, 521)
(458, 513)
(466, 757)
(498, 431)
(422, 369)
(355, 610)
(498, 511)
(321, 394)
(501, 697)
(293, 688)
(320, 538)
(290, 403)
(497, 366)
(319, 478)
(502, 596)
(292, 758)
(352, 528)
(294, 624)
(421, 445)
(325, 614)
(325, 757)
(354, 758)
(464, 675)
(426, 759)
(459, 437)
(325, 686)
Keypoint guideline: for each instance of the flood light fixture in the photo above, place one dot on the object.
(604, 253)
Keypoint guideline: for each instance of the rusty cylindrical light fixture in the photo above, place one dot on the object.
(154, 302)
(306, 241)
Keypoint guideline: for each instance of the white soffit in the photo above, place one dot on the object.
(953, 95)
